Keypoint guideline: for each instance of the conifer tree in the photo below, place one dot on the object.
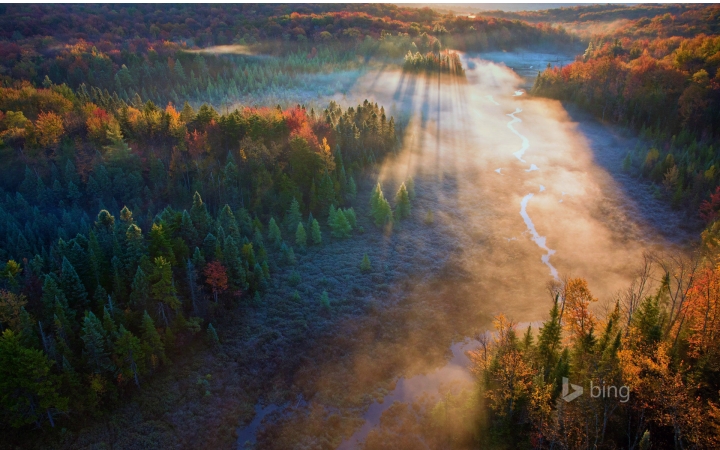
(380, 208)
(160, 244)
(134, 248)
(340, 227)
(293, 216)
(300, 236)
(163, 288)
(30, 389)
(410, 185)
(212, 336)
(351, 217)
(140, 293)
(315, 233)
(130, 355)
(199, 214)
(209, 245)
(402, 199)
(94, 337)
(72, 287)
(365, 265)
(274, 233)
(187, 229)
(153, 346)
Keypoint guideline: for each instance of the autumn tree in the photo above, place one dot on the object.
(216, 278)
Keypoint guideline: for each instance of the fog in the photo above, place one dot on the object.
(524, 193)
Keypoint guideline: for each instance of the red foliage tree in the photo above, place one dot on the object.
(216, 278)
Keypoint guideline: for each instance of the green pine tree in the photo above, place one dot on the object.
(130, 356)
(212, 336)
(274, 233)
(402, 199)
(365, 265)
(30, 390)
(300, 236)
(340, 227)
(153, 347)
(315, 233)
(94, 350)
(72, 287)
(140, 293)
(293, 216)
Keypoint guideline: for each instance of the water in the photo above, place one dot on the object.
(455, 372)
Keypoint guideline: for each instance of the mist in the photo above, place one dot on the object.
(523, 192)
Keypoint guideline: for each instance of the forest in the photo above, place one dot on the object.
(165, 183)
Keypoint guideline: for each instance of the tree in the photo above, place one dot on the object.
(130, 358)
(340, 227)
(29, 392)
(216, 278)
(72, 286)
(212, 336)
(293, 216)
(300, 236)
(163, 287)
(402, 199)
(200, 217)
(380, 208)
(579, 319)
(94, 337)
(140, 294)
(274, 233)
(315, 233)
(160, 245)
(153, 347)
(365, 265)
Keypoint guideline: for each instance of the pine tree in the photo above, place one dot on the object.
(274, 233)
(200, 217)
(153, 347)
(549, 341)
(365, 265)
(140, 294)
(402, 199)
(72, 287)
(315, 233)
(30, 391)
(212, 336)
(134, 248)
(293, 216)
(163, 288)
(300, 236)
(410, 185)
(380, 208)
(351, 217)
(340, 227)
(160, 244)
(94, 337)
(130, 355)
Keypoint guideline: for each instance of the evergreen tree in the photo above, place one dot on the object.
(135, 248)
(380, 208)
(72, 287)
(549, 341)
(130, 355)
(274, 233)
(365, 265)
(94, 337)
(199, 214)
(140, 294)
(30, 391)
(402, 199)
(160, 244)
(163, 288)
(293, 216)
(212, 336)
(209, 245)
(187, 229)
(300, 236)
(410, 185)
(153, 347)
(351, 217)
(315, 233)
(340, 228)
